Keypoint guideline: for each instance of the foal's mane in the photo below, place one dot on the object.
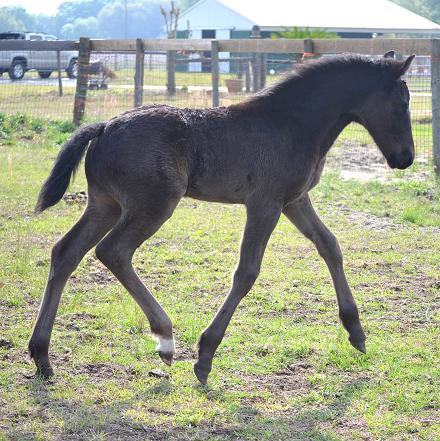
(309, 74)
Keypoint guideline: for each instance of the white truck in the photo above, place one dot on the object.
(17, 62)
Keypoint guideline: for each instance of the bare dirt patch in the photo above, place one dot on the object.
(356, 160)
(77, 197)
(98, 372)
(92, 272)
(290, 381)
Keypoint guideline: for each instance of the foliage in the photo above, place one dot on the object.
(92, 18)
(185, 4)
(80, 27)
(15, 18)
(302, 33)
(426, 8)
(143, 17)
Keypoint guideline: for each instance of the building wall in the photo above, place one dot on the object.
(216, 14)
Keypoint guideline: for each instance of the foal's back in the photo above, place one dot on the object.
(222, 154)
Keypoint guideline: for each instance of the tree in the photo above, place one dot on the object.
(426, 8)
(70, 11)
(79, 28)
(9, 23)
(171, 18)
(303, 33)
(185, 4)
(15, 18)
(143, 18)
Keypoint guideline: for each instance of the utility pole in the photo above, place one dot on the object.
(125, 20)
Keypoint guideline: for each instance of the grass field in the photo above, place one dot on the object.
(285, 370)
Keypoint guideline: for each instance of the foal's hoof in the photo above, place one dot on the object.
(166, 357)
(201, 373)
(44, 369)
(359, 345)
(166, 350)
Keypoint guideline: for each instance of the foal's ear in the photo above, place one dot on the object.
(390, 54)
(406, 65)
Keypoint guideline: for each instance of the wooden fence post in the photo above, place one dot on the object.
(435, 89)
(139, 73)
(215, 74)
(171, 73)
(263, 70)
(60, 82)
(308, 47)
(256, 61)
(81, 82)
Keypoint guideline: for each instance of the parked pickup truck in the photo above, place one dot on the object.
(18, 62)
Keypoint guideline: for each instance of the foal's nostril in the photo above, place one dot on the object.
(402, 160)
(406, 159)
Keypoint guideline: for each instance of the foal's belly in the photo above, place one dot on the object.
(216, 190)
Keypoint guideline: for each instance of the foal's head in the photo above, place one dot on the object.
(386, 115)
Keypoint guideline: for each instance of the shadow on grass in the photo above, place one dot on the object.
(111, 421)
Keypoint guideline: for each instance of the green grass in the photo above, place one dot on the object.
(285, 370)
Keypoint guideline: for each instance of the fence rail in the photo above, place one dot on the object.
(219, 65)
(320, 46)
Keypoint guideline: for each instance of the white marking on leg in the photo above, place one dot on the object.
(165, 345)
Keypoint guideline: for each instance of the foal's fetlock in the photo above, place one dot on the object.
(205, 351)
(41, 360)
(166, 349)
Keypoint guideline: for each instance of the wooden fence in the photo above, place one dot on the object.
(86, 46)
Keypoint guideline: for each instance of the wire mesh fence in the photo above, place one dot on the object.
(44, 85)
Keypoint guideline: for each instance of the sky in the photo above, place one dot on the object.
(48, 7)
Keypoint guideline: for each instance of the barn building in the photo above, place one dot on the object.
(224, 19)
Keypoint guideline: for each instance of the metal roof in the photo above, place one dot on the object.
(333, 15)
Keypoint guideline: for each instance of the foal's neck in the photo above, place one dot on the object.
(323, 102)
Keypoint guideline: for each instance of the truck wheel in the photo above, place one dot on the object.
(17, 70)
(44, 74)
(72, 70)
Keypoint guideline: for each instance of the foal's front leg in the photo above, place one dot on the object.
(304, 217)
(261, 220)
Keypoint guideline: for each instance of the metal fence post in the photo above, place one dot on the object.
(215, 74)
(139, 73)
(81, 82)
(435, 89)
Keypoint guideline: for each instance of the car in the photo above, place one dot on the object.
(17, 62)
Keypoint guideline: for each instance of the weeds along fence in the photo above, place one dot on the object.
(94, 80)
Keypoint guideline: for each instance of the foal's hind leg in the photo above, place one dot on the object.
(95, 222)
(304, 217)
(116, 252)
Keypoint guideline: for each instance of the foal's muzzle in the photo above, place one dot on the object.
(401, 160)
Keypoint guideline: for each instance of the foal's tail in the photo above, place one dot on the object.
(65, 165)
